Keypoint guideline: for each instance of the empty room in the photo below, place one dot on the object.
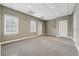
(39, 29)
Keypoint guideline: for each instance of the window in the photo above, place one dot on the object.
(39, 28)
(33, 26)
(10, 24)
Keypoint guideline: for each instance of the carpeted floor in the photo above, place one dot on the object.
(41, 46)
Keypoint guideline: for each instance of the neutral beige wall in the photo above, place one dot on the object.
(44, 27)
(76, 25)
(0, 23)
(24, 24)
(52, 25)
(70, 26)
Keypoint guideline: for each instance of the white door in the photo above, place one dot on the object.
(39, 28)
(63, 28)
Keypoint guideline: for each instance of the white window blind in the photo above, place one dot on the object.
(33, 26)
(10, 24)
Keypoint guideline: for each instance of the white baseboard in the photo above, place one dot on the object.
(18, 39)
(76, 45)
(50, 34)
(42, 34)
(59, 35)
(64, 36)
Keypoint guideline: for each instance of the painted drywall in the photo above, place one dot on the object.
(52, 25)
(24, 24)
(70, 26)
(76, 25)
(0, 23)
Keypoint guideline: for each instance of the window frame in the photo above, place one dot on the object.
(33, 26)
(16, 24)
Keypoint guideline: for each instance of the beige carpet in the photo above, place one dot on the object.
(41, 46)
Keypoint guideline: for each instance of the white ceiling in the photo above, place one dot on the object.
(45, 11)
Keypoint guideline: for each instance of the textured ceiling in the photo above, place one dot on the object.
(45, 11)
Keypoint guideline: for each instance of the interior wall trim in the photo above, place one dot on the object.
(76, 45)
(6, 42)
(49, 34)
(65, 36)
(59, 35)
